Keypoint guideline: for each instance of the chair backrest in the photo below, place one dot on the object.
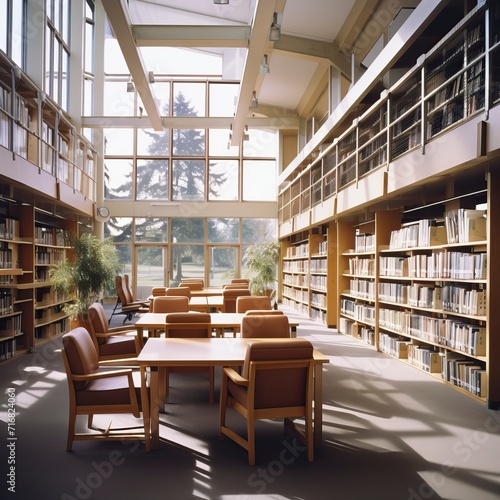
(170, 304)
(182, 291)
(98, 320)
(261, 326)
(120, 290)
(79, 354)
(235, 286)
(193, 285)
(158, 291)
(243, 281)
(128, 287)
(253, 312)
(280, 372)
(245, 303)
(188, 325)
(229, 297)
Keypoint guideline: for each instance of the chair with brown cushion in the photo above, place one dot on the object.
(177, 291)
(261, 326)
(241, 281)
(190, 325)
(229, 297)
(123, 303)
(193, 285)
(127, 284)
(245, 303)
(158, 291)
(94, 391)
(276, 382)
(168, 304)
(111, 343)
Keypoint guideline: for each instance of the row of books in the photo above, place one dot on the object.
(9, 229)
(424, 357)
(394, 345)
(6, 305)
(295, 266)
(318, 299)
(364, 242)
(6, 258)
(361, 267)
(318, 282)
(296, 280)
(422, 233)
(318, 266)
(7, 349)
(467, 374)
(296, 294)
(323, 247)
(49, 256)
(465, 225)
(301, 250)
(11, 326)
(448, 265)
(364, 289)
(458, 335)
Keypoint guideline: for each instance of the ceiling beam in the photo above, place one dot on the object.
(313, 49)
(259, 38)
(191, 36)
(119, 18)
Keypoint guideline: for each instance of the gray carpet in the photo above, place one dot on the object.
(390, 433)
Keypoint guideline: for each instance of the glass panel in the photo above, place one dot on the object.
(88, 99)
(117, 101)
(188, 142)
(17, 32)
(261, 143)
(119, 229)
(188, 230)
(218, 141)
(125, 257)
(253, 187)
(65, 20)
(188, 180)
(259, 230)
(152, 180)
(114, 62)
(151, 265)
(56, 69)
(223, 180)
(162, 94)
(223, 265)
(118, 179)
(89, 48)
(223, 230)
(222, 98)
(150, 229)
(3, 25)
(48, 60)
(187, 261)
(118, 141)
(151, 143)
(64, 79)
(189, 99)
(180, 61)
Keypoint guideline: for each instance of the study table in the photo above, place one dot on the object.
(160, 353)
(220, 321)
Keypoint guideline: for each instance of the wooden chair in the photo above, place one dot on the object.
(259, 326)
(124, 305)
(193, 285)
(189, 325)
(111, 343)
(127, 286)
(276, 382)
(168, 304)
(179, 291)
(229, 297)
(246, 303)
(93, 391)
(158, 291)
(241, 281)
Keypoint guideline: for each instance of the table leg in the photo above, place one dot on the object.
(155, 409)
(318, 405)
(146, 408)
(140, 335)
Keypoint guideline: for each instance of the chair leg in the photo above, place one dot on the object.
(222, 405)
(71, 429)
(211, 389)
(251, 440)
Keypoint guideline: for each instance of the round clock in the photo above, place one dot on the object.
(103, 212)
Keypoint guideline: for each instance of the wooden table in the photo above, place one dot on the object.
(220, 321)
(160, 353)
(211, 303)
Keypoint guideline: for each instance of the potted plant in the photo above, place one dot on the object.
(91, 271)
(261, 263)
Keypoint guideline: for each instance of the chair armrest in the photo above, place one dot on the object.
(106, 363)
(103, 374)
(235, 377)
(118, 330)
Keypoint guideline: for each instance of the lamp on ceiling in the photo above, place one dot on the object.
(221, 2)
(151, 77)
(275, 31)
(130, 86)
(264, 65)
(255, 102)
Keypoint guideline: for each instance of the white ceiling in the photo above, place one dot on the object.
(298, 62)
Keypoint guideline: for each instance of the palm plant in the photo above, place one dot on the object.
(91, 272)
(261, 263)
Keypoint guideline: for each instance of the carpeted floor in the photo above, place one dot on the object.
(390, 433)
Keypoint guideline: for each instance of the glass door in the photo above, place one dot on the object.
(223, 264)
(151, 269)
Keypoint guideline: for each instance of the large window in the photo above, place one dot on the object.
(12, 22)
(57, 51)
